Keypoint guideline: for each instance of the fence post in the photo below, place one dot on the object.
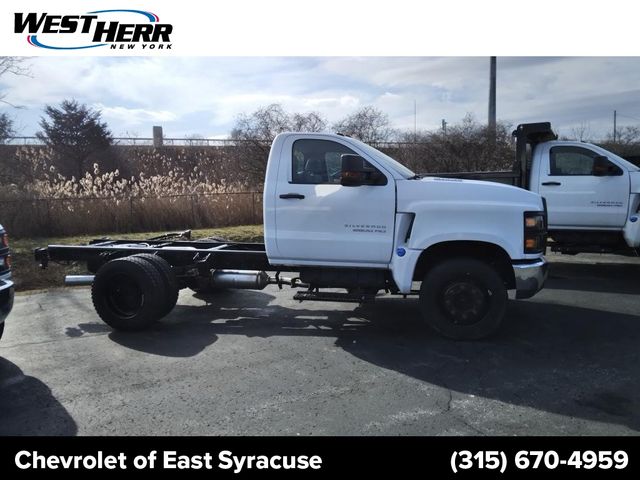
(193, 213)
(48, 204)
(157, 137)
(253, 207)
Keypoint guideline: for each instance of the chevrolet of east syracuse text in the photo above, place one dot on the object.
(342, 222)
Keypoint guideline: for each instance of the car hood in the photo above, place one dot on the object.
(464, 192)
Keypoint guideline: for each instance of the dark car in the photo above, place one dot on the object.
(6, 283)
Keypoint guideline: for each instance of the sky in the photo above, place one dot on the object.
(204, 95)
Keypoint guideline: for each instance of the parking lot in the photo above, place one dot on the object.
(565, 363)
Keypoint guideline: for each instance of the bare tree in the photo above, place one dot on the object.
(262, 125)
(12, 66)
(367, 124)
(195, 140)
(308, 122)
(467, 146)
(627, 142)
(254, 133)
(582, 132)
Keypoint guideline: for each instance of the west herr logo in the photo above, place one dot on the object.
(116, 29)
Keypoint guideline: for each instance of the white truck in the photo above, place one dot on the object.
(349, 222)
(593, 195)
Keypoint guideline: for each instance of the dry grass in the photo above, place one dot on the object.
(28, 275)
(170, 190)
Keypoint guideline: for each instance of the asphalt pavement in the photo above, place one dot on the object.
(243, 362)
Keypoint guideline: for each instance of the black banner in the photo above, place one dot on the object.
(438, 457)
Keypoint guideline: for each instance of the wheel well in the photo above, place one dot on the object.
(484, 251)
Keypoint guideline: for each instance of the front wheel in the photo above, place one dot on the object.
(463, 299)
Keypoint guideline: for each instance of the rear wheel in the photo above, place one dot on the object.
(170, 282)
(128, 293)
(463, 299)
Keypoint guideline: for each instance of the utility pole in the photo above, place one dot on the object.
(444, 126)
(415, 121)
(615, 123)
(492, 97)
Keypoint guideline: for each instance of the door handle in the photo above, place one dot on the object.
(551, 184)
(297, 196)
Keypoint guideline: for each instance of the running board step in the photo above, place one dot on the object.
(335, 297)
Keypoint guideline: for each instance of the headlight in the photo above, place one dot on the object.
(535, 232)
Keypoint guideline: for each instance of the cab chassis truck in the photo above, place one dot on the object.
(348, 221)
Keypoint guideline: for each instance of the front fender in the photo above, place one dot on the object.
(499, 223)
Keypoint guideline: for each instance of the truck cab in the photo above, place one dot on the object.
(589, 190)
(593, 195)
(391, 225)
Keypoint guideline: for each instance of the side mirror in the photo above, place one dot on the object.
(356, 172)
(602, 167)
(352, 170)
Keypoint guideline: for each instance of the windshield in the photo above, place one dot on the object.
(386, 159)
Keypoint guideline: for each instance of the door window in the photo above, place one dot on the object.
(571, 161)
(318, 161)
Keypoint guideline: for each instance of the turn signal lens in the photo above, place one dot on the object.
(531, 244)
(534, 221)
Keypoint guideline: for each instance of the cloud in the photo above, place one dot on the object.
(134, 116)
(204, 95)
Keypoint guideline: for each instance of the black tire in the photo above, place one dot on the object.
(170, 282)
(463, 299)
(128, 294)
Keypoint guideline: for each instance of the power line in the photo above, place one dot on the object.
(629, 116)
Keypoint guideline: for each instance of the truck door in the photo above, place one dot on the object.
(318, 221)
(576, 196)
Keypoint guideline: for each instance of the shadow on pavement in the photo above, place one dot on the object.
(561, 359)
(27, 406)
(182, 334)
(595, 277)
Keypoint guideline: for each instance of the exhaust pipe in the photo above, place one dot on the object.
(252, 280)
(78, 280)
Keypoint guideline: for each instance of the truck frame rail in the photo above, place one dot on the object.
(210, 254)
